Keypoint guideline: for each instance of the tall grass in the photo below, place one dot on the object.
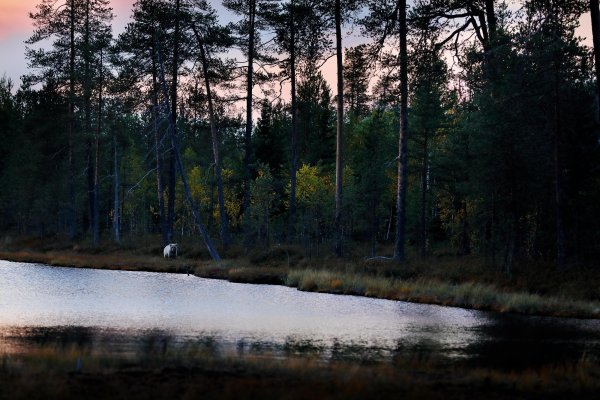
(467, 295)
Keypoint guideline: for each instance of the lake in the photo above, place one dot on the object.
(42, 304)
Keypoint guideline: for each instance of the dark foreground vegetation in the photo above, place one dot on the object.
(158, 370)
(464, 281)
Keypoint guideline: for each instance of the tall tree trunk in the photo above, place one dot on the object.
(512, 239)
(509, 254)
(157, 148)
(465, 245)
(490, 43)
(89, 150)
(215, 145)
(249, 87)
(87, 109)
(490, 14)
(399, 253)
(561, 246)
(424, 175)
(96, 216)
(294, 138)
(172, 155)
(122, 187)
(116, 188)
(374, 224)
(71, 172)
(595, 14)
(339, 155)
(172, 172)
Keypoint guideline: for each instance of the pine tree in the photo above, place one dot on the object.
(356, 79)
(77, 27)
(210, 38)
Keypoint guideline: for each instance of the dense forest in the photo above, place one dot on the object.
(455, 127)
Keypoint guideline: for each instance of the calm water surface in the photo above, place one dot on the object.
(50, 302)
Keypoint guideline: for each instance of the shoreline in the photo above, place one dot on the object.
(466, 295)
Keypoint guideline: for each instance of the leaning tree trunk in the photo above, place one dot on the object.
(188, 194)
(402, 159)
(339, 155)
(215, 145)
(186, 187)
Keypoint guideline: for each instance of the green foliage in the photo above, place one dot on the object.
(32, 170)
(270, 137)
(534, 103)
(430, 105)
(262, 200)
(314, 189)
(356, 81)
(316, 120)
(9, 120)
(371, 154)
(315, 203)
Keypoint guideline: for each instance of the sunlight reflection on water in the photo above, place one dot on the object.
(34, 295)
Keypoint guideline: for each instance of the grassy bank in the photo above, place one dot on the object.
(453, 281)
(467, 295)
(196, 371)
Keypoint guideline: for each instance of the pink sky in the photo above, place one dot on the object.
(14, 19)
(16, 27)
